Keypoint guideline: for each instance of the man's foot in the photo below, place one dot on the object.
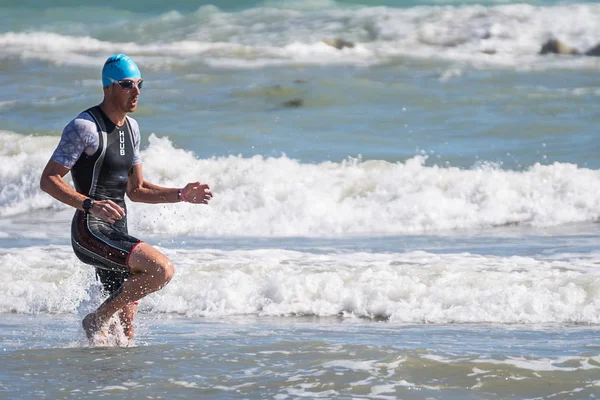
(117, 334)
(93, 330)
(129, 331)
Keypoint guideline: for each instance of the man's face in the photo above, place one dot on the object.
(125, 94)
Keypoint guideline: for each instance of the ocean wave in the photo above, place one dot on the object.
(412, 287)
(280, 196)
(502, 35)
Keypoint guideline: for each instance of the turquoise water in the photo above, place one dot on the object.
(151, 6)
(412, 217)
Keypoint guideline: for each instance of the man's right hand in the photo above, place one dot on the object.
(107, 210)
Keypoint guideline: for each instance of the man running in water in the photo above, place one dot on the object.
(101, 149)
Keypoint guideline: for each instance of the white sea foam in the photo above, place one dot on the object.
(22, 159)
(46, 280)
(354, 365)
(546, 364)
(280, 196)
(411, 287)
(503, 35)
(565, 363)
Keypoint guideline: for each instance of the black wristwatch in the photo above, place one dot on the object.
(88, 204)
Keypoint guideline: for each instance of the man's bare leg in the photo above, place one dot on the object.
(150, 269)
(126, 316)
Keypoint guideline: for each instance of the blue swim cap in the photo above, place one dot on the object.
(119, 67)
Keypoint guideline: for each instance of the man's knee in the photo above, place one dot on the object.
(147, 260)
(163, 271)
(168, 270)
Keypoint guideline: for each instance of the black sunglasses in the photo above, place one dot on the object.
(127, 84)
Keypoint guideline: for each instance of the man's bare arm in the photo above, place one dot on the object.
(53, 183)
(142, 191)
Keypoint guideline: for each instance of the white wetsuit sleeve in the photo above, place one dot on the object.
(79, 136)
(135, 138)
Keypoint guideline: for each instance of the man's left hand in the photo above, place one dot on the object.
(197, 193)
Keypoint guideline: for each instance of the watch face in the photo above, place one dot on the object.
(87, 204)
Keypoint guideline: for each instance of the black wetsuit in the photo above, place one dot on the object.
(103, 175)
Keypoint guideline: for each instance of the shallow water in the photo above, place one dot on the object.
(304, 357)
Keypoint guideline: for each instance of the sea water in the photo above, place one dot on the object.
(415, 216)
